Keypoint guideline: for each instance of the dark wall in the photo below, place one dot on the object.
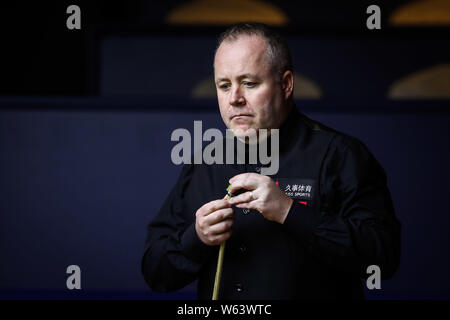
(79, 188)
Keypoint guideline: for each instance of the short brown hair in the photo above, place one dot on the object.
(278, 50)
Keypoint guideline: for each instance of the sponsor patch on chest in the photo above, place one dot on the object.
(297, 188)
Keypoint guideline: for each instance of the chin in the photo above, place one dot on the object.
(243, 131)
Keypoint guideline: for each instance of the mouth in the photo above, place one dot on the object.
(241, 116)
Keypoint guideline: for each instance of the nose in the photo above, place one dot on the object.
(236, 97)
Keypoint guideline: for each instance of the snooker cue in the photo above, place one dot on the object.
(215, 295)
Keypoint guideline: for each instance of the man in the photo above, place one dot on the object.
(316, 243)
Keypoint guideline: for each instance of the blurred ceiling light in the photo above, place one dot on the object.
(422, 13)
(304, 88)
(211, 12)
(430, 83)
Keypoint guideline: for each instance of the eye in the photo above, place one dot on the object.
(250, 84)
(224, 86)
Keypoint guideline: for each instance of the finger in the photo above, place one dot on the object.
(218, 216)
(242, 176)
(219, 239)
(221, 227)
(215, 205)
(248, 205)
(244, 197)
(246, 181)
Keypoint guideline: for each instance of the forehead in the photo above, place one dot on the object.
(246, 54)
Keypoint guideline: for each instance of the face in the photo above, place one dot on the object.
(248, 92)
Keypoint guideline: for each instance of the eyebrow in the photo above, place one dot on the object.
(247, 75)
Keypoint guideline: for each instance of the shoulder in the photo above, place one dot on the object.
(344, 150)
(337, 140)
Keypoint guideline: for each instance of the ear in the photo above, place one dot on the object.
(287, 84)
